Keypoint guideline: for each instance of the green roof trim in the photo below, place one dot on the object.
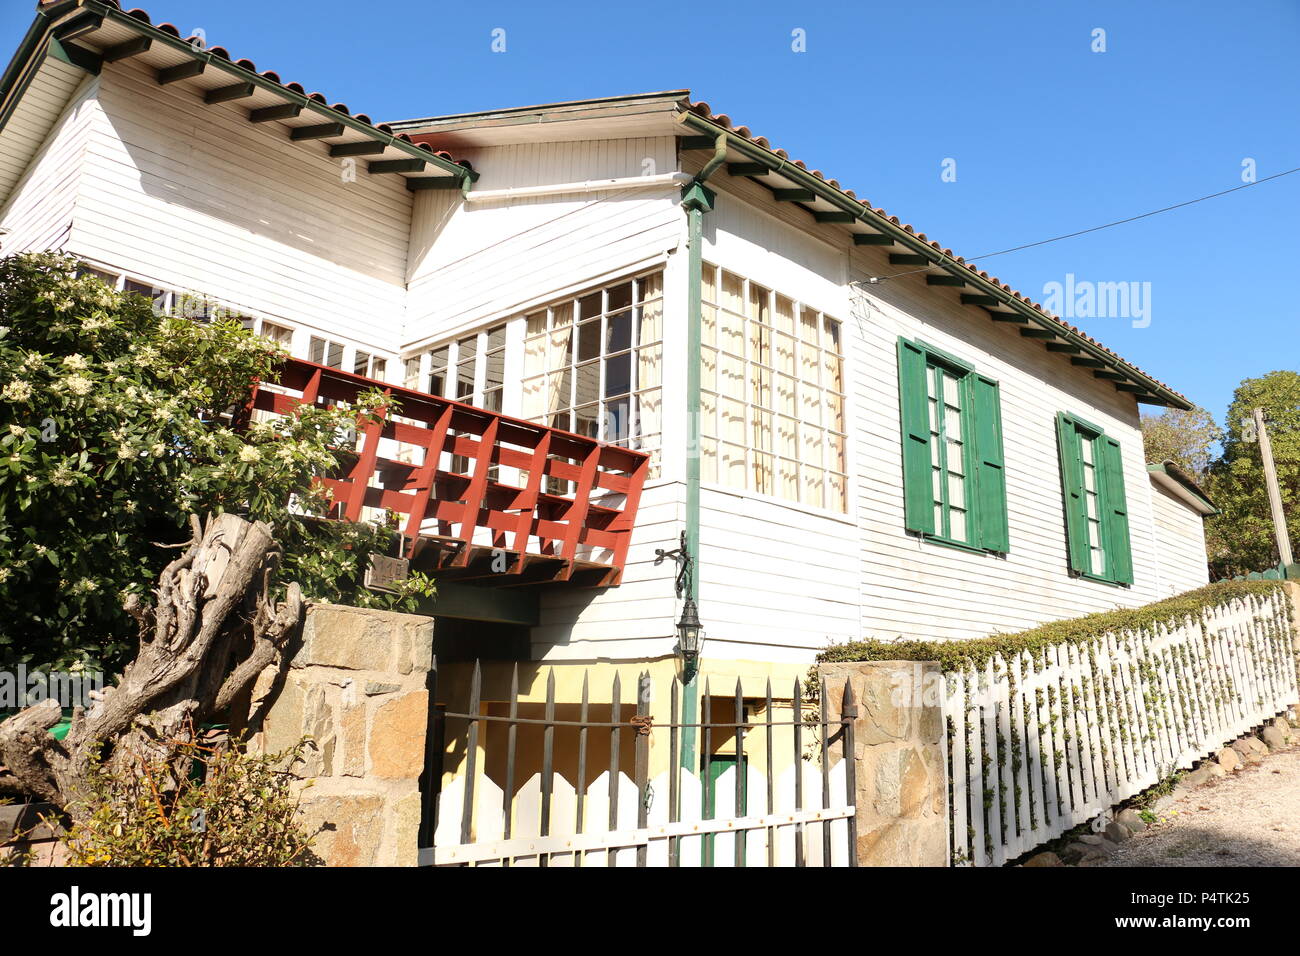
(1186, 481)
(35, 34)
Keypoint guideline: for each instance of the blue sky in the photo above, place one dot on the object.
(1048, 136)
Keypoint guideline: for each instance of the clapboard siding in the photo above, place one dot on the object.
(963, 594)
(39, 213)
(776, 582)
(1180, 544)
(196, 197)
(904, 586)
(474, 262)
(633, 620)
(43, 106)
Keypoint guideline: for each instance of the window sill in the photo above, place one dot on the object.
(958, 545)
(842, 517)
(1100, 580)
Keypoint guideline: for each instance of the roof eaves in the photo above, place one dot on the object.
(699, 118)
(1172, 472)
(246, 71)
(667, 96)
(45, 17)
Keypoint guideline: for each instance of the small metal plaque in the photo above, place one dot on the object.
(384, 572)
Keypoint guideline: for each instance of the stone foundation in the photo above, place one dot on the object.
(356, 686)
(902, 780)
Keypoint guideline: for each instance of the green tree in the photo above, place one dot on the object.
(115, 426)
(1187, 438)
(1240, 539)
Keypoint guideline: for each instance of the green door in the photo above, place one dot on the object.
(714, 768)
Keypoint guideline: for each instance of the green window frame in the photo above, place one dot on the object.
(1096, 505)
(954, 481)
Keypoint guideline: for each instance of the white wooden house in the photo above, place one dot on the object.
(932, 456)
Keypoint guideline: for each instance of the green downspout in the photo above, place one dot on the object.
(696, 200)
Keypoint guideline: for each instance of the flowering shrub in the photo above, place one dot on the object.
(114, 427)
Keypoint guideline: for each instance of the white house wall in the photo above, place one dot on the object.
(1180, 544)
(634, 620)
(778, 581)
(195, 197)
(38, 215)
(475, 262)
(925, 590)
(902, 585)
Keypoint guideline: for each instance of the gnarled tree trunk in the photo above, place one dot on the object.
(213, 627)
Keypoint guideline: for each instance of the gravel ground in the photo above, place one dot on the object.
(1250, 818)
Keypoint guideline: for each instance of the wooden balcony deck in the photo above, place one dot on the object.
(495, 500)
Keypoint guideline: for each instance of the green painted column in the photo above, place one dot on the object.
(696, 200)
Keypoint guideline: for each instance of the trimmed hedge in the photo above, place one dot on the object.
(956, 654)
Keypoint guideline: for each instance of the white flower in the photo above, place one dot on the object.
(17, 431)
(250, 454)
(17, 391)
(4, 574)
(125, 451)
(157, 449)
(76, 362)
(78, 384)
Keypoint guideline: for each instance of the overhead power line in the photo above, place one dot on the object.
(1117, 222)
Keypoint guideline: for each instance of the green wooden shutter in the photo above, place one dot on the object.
(990, 472)
(1076, 518)
(1119, 553)
(918, 500)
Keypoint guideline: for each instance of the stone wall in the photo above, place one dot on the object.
(356, 686)
(902, 781)
(32, 828)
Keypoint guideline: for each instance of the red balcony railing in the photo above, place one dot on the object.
(568, 517)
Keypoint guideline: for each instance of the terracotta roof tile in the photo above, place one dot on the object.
(702, 109)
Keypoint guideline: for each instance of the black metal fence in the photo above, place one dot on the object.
(563, 782)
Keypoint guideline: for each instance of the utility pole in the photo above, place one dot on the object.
(1274, 492)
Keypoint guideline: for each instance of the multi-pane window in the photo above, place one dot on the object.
(438, 358)
(325, 352)
(472, 369)
(772, 394)
(466, 368)
(278, 334)
(947, 454)
(1096, 510)
(954, 489)
(1092, 508)
(593, 364)
(370, 366)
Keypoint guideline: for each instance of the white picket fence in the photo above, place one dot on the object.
(1050, 739)
(597, 839)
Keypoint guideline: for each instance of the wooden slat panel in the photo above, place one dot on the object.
(467, 502)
